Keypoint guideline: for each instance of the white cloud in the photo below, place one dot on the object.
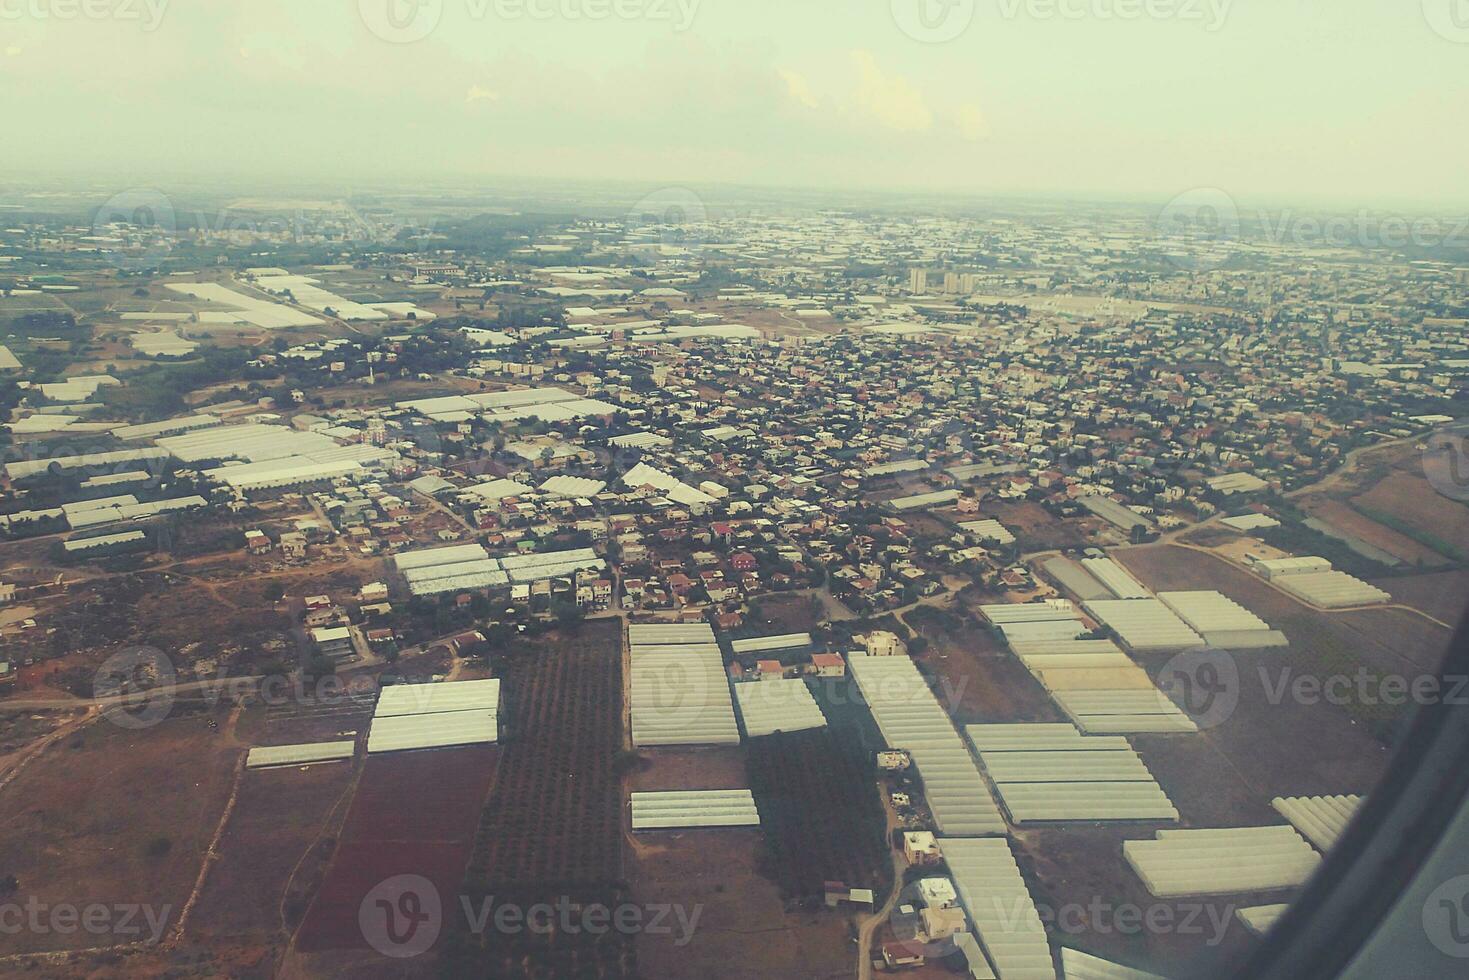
(799, 89)
(478, 93)
(890, 100)
(970, 121)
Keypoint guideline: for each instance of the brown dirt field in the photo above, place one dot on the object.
(743, 931)
(979, 680)
(1443, 595)
(1035, 528)
(1346, 519)
(1084, 889)
(81, 817)
(788, 614)
(412, 813)
(279, 818)
(715, 767)
(1411, 499)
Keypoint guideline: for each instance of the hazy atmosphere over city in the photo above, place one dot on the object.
(661, 489)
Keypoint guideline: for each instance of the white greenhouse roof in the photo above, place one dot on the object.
(687, 809)
(270, 756)
(1180, 863)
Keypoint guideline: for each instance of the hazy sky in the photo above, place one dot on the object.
(1356, 102)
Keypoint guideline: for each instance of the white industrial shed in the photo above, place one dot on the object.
(120, 460)
(1053, 773)
(911, 718)
(1274, 568)
(671, 487)
(1115, 578)
(441, 729)
(767, 707)
(467, 567)
(273, 756)
(1076, 965)
(421, 699)
(1213, 612)
(679, 693)
(1000, 908)
(1119, 712)
(1050, 629)
(771, 644)
(572, 486)
(1180, 863)
(663, 634)
(1322, 819)
(693, 808)
(1003, 614)
(77, 545)
(1332, 590)
(1145, 625)
(988, 530)
(439, 556)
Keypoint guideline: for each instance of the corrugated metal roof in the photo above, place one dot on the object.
(1115, 578)
(1145, 624)
(419, 699)
(266, 756)
(911, 718)
(1321, 818)
(693, 808)
(1208, 612)
(1118, 712)
(1000, 907)
(777, 706)
(429, 731)
(681, 698)
(1180, 863)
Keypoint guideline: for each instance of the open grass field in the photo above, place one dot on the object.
(1407, 503)
(115, 815)
(745, 931)
(1351, 521)
(1383, 642)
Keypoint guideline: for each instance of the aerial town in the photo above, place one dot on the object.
(759, 588)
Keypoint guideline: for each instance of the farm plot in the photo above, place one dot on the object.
(81, 830)
(552, 826)
(413, 813)
(275, 833)
(821, 814)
